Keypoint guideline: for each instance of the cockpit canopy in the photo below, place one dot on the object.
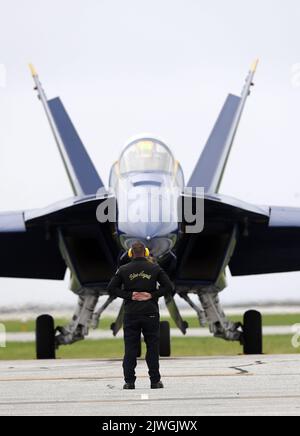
(146, 155)
(143, 158)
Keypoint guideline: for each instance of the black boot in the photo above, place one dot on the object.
(158, 385)
(129, 386)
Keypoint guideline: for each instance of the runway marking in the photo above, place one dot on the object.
(155, 400)
(4, 380)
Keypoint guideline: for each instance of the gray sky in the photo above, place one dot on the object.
(164, 67)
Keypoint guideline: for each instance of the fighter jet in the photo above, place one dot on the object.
(72, 235)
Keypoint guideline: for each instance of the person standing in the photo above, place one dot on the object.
(136, 283)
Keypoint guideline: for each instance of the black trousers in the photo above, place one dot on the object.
(134, 326)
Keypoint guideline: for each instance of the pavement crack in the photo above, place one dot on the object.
(242, 371)
(111, 387)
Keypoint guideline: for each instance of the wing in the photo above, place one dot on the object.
(210, 168)
(272, 248)
(27, 253)
(80, 169)
(203, 257)
(41, 244)
(249, 239)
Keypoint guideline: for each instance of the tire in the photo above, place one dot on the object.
(45, 338)
(165, 339)
(253, 333)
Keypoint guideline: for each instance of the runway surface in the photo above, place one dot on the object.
(256, 385)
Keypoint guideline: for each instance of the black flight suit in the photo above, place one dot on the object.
(141, 275)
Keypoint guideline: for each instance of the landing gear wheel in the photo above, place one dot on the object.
(45, 338)
(165, 339)
(253, 333)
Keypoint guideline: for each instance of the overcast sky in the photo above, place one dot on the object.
(160, 66)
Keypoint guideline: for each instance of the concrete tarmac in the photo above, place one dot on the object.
(241, 385)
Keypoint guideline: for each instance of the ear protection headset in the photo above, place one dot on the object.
(147, 253)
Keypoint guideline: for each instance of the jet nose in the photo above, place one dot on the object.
(147, 212)
(151, 230)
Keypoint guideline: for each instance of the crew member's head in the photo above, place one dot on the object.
(139, 250)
